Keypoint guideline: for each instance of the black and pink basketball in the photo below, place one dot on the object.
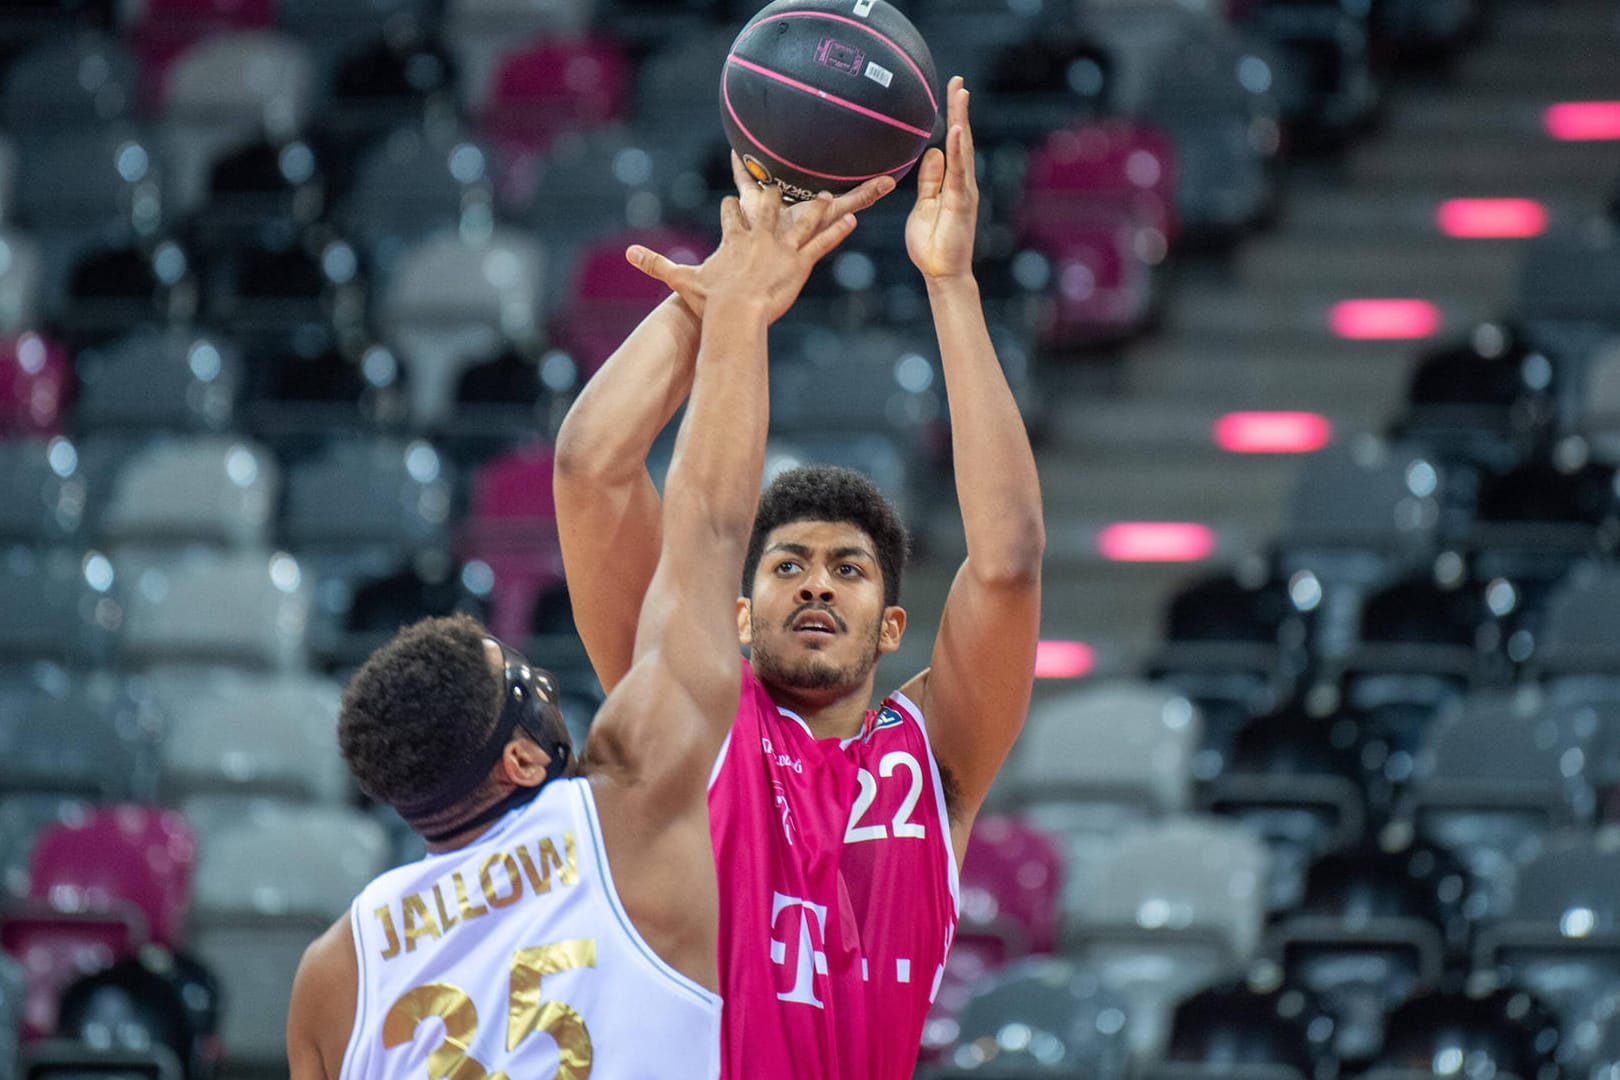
(820, 95)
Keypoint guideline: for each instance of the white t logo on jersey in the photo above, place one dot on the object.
(863, 8)
(809, 961)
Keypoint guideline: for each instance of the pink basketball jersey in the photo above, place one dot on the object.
(838, 892)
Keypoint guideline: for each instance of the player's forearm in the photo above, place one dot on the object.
(720, 452)
(611, 426)
(996, 482)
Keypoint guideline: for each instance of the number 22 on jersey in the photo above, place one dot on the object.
(901, 823)
(526, 1014)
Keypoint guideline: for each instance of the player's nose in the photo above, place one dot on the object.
(817, 585)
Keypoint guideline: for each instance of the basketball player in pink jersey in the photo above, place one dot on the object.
(564, 921)
(838, 828)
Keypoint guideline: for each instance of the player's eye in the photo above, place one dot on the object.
(786, 567)
(849, 570)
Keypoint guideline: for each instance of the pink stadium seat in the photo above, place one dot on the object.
(608, 296)
(98, 889)
(1099, 201)
(1116, 160)
(1012, 884)
(169, 27)
(1012, 887)
(119, 856)
(969, 961)
(550, 86)
(36, 381)
(512, 528)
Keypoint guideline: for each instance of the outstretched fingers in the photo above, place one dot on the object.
(806, 219)
(860, 198)
(959, 165)
(659, 267)
(822, 243)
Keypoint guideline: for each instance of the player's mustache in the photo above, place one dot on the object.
(843, 627)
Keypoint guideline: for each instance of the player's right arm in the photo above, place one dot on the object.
(608, 514)
(320, 1015)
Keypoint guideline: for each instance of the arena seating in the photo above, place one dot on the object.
(293, 294)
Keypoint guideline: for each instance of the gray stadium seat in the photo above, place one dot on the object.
(1580, 628)
(74, 82)
(1178, 905)
(8, 179)
(22, 283)
(886, 464)
(201, 608)
(57, 605)
(1357, 509)
(596, 184)
(1093, 763)
(228, 90)
(892, 381)
(80, 736)
(1560, 936)
(669, 98)
(205, 489)
(1597, 409)
(236, 734)
(1041, 1017)
(413, 184)
(452, 301)
(11, 1006)
(268, 882)
(42, 491)
(159, 378)
(331, 27)
(77, 190)
(1494, 777)
(480, 32)
(382, 495)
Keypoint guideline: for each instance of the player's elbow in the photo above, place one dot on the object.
(576, 455)
(1014, 558)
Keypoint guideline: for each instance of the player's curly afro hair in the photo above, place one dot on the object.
(830, 493)
(419, 709)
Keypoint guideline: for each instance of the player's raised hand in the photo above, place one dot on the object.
(813, 229)
(940, 230)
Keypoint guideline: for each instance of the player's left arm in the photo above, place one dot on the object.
(976, 691)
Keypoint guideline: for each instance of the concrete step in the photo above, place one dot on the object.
(1384, 267)
(1358, 386)
(1505, 162)
(1385, 214)
(1552, 64)
(1227, 314)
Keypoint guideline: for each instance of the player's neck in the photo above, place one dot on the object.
(828, 714)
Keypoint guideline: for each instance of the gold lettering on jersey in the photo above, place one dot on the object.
(569, 867)
(386, 917)
(539, 864)
(468, 911)
(446, 919)
(510, 866)
(540, 885)
(418, 922)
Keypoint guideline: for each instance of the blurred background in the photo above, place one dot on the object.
(1313, 307)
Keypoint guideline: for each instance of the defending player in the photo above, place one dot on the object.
(565, 924)
(838, 829)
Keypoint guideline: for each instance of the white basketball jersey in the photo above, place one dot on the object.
(513, 957)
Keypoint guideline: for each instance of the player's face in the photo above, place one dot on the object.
(816, 620)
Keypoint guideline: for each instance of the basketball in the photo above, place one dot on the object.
(821, 95)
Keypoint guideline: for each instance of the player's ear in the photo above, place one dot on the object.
(892, 629)
(523, 763)
(745, 621)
